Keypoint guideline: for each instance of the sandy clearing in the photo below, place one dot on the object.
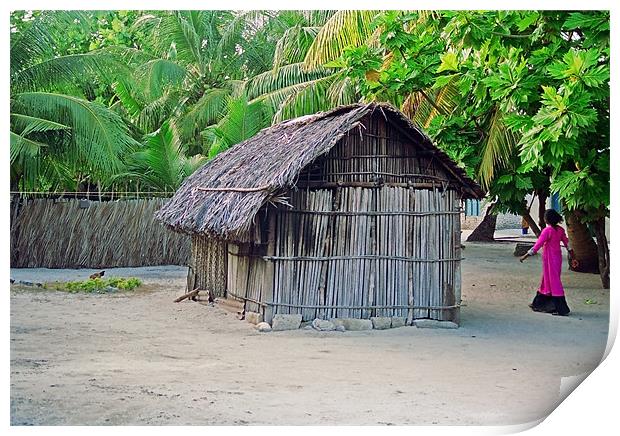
(141, 359)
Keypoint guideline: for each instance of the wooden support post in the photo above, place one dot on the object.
(324, 264)
(372, 236)
(457, 268)
(270, 284)
(410, 268)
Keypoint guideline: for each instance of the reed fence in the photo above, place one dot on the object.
(73, 233)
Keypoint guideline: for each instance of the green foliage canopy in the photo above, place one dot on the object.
(519, 97)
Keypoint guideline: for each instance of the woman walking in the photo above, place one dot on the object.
(550, 296)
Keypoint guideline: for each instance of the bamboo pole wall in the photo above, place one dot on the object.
(365, 252)
(76, 234)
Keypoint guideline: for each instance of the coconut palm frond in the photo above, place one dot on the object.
(175, 30)
(26, 124)
(37, 40)
(256, 58)
(157, 74)
(342, 91)
(65, 69)
(244, 23)
(305, 99)
(423, 106)
(155, 112)
(57, 174)
(442, 101)
(318, 17)
(448, 97)
(147, 22)
(497, 150)
(192, 163)
(24, 159)
(127, 96)
(274, 99)
(207, 24)
(207, 110)
(343, 29)
(99, 136)
(293, 45)
(22, 147)
(412, 107)
(285, 76)
(161, 162)
(242, 120)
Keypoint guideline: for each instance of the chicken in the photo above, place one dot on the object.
(97, 275)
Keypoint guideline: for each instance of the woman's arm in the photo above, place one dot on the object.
(564, 240)
(544, 235)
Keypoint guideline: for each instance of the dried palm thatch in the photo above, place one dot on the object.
(222, 198)
(66, 234)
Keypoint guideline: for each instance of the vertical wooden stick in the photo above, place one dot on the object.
(270, 267)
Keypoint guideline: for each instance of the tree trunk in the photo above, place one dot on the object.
(542, 207)
(603, 251)
(485, 231)
(585, 249)
(531, 223)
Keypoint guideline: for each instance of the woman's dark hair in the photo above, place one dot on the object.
(552, 217)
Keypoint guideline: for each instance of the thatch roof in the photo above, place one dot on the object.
(242, 179)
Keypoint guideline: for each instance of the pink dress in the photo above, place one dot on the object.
(549, 240)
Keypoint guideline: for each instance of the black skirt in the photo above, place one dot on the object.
(550, 304)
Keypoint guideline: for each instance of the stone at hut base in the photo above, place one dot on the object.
(263, 327)
(340, 328)
(522, 247)
(323, 325)
(354, 324)
(336, 322)
(381, 322)
(254, 317)
(434, 324)
(398, 321)
(286, 322)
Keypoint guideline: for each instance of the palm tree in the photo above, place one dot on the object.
(301, 82)
(162, 162)
(57, 135)
(206, 59)
(242, 120)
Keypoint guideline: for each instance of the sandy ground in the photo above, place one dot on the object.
(141, 359)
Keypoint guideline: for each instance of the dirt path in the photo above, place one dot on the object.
(141, 359)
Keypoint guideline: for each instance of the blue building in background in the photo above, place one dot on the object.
(555, 203)
(472, 207)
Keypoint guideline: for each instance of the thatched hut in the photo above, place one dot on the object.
(350, 213)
